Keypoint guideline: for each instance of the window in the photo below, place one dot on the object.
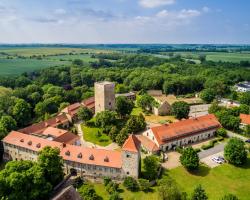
(128, 156)
(127, 173)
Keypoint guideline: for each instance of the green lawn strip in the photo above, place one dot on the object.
(91, 135)
(125, 194)
(217, 181)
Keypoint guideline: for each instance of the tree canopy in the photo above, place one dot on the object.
(180, 109)
(189, 158)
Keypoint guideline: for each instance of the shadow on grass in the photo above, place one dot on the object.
(202, 171)
(246, 165)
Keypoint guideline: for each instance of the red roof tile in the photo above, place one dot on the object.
(185, 127)
(132, 144)
(147, 143)
(40, 127)
(245, 119)
(68, 152)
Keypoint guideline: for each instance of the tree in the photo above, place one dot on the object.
(21, 112)
(130, 183)
(221, 132)
(244, 109)
(245, 98)
(122, 136)
(113, 133)
(136, 123)
(208, 95)
(168, 190)
(51, 162)
(230, 197)
(180, 109)
(105, 118)
(8, 123)
(189, 158)
(121, 88)
(199, 193)
(144, 184)
(23, 180)
(87, 192)
(247, 129)
(145, 102)
(151, 165)
(123, 106)
(78, 62)
(214, 107)
(235, 151)
(227, 120)
(84, 114)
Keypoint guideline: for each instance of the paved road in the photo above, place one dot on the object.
(231, 134)
(216, 149)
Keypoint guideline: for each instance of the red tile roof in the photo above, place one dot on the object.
(89, 103)
(131, 144)
(68, 138)
(99, 157)
(147, 143)
(182, 128)
(40, 127)
(245, 119)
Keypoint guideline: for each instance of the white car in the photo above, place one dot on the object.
(217, 160)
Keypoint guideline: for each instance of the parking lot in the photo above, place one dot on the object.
(209, 162)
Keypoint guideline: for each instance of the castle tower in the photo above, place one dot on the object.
(131, 157)
(104, 96)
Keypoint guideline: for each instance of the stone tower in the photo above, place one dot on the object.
(104, 96)
(131, 157)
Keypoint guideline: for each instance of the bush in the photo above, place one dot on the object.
(190, 159)
(179, 149)
(106, 180)
(208, 146)
(221, 132)
(112, 187)
(235, 151)
(197, 150)
(131, 184)
(78, 182)
(144, 184)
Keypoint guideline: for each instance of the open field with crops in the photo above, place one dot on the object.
(14, 61)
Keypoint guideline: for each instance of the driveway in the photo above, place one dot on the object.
(208, 160)
(232, 134)
(173, 160)
(209, 152)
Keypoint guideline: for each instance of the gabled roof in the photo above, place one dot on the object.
(131, 144)
(184, 127)
(40, 127)
(147, 143)
(99, 157)
(245, 119)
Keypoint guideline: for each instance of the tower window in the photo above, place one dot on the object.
(110, 103)
(128, 156)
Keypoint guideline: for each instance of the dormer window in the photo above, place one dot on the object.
(22, 140)
(67, 153)
(106, 159)
(38, 145)
(79, 155)
(30, 143)
(91, 157)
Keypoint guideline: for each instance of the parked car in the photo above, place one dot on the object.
(217, 160)
(248, 141)
(222, 159)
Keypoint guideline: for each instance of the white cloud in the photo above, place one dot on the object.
(155, 3)
(60, 11)
(206, 9)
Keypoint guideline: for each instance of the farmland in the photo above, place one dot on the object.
(14, 61)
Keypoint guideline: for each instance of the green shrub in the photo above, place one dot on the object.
(197, 150)
(131, 184)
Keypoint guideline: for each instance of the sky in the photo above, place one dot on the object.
(125, 21)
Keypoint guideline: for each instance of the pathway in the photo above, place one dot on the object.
(216, 149)
(232, 134)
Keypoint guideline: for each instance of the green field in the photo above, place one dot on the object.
(217, 182)
(17, 66)
(218, 56)
(14, 61)
(90, 134)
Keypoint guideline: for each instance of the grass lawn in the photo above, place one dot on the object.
(217, 181)
(90, 134)
(127, 195)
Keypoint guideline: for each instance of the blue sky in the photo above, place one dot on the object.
(125, 21)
